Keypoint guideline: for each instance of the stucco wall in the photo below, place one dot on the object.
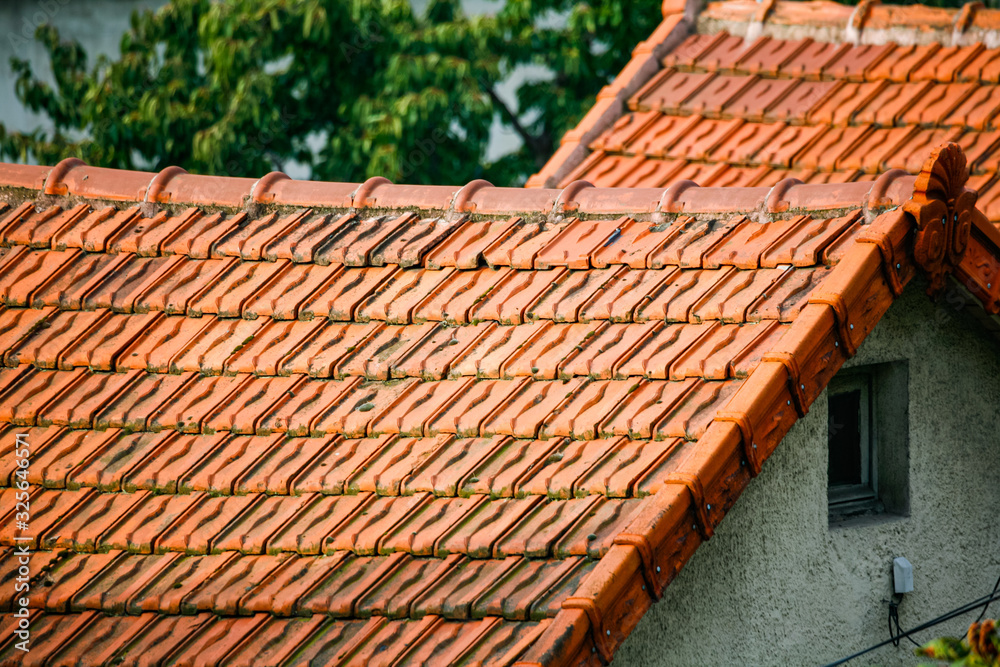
(777, 585)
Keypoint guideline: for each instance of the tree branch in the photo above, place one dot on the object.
(533, 143)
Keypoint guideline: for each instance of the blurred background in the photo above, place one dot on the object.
(428, 91)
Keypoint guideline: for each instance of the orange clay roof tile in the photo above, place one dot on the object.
(459, 435)
(856, 108)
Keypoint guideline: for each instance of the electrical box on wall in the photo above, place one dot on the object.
(902, 575)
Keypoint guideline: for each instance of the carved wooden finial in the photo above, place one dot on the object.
(943, 209)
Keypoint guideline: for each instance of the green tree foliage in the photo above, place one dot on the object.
(350, 88)
(979, 648)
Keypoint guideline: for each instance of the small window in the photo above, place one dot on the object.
(867, 434)
(851, 475)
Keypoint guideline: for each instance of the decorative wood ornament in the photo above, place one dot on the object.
(943, 209)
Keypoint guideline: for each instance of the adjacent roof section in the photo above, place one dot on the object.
(749, 94)
(302, 423)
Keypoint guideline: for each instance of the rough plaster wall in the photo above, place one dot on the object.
(777, 586)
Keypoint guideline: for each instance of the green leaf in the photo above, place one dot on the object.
(349, 89)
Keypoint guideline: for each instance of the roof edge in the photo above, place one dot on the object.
(979, 270)
(930, 233)
(679, 20)
(649, 554)
(72, 180)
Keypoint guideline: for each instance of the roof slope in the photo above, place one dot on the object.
(749, 93)
(276, 422)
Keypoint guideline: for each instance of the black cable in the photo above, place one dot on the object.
(947, 617)
(987, 606)
(897, 634)
(894, 616)
(964, 609)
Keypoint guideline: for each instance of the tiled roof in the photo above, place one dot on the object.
(275, 422)
(750, 93)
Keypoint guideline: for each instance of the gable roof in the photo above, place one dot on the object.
(287, 421)
(748, 94)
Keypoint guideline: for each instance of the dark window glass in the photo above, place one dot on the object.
(844, 438)
(867, 442)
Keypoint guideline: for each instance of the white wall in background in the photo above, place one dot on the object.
(97, 24)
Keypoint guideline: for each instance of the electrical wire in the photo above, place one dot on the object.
(960, 611)
(897, 634)
(996, 586)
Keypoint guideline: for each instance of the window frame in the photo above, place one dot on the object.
(861, 497)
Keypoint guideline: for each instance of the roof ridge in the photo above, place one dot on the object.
(73, 179)
(870, 23)
(679, 20)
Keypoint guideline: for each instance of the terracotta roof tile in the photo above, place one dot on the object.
(691, 417)
(785, 298)
(300, 240)
(162, 469)
(465, 246)
(452, 300)
(219, 638)
(276, 641)
(81, 528)
(395, 300)
(329, 642)
(418, 406)
(317, 522)
(517, 594)
(855, 109)
(189, 408)
(281, 298)
(655, 137)
(747, 141)
(770, 55)
(125, 287)
(579, 416)
(339, 297)
(106, 470)
(670, 89)
(983, 66)
(77, 406)
(91, 233)
(276, 343)
(563, 466)
(59, 454)
(315, 432)
(139, 527)
(422, 530)
(323, 352)
(223, 465)
(249, 532)
(476, 533)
